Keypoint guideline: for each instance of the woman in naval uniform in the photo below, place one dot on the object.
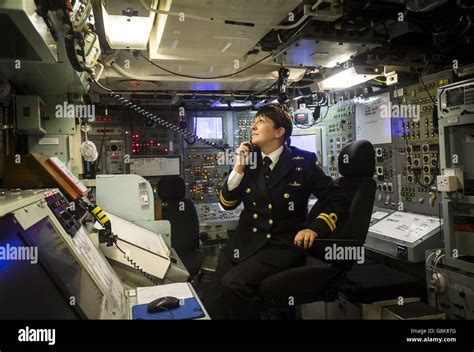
(273, 232)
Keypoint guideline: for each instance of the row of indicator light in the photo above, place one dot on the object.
(146, 144)
(138, 150)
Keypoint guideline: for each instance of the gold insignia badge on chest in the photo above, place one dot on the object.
(298, 158)
(295, 184)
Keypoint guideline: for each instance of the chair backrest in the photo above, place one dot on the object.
(180, 212)
(358, 183)
(356, 165)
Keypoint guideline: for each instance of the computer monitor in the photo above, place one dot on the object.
(23, 276)
(305, 142)
(208, 127)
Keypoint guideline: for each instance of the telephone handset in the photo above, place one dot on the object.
(252, 147)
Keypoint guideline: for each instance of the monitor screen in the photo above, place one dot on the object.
(305, 142)
(19, 301)
(208, 127)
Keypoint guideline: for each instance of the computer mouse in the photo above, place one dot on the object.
(163, 304)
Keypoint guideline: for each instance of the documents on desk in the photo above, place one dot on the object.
(179, 290)
(189, 307)
(408, 227)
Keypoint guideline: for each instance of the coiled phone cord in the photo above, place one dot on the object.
(106, 235)
(136, 266)
(159, 120)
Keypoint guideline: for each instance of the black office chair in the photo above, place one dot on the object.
(320, 279)
(182, 215)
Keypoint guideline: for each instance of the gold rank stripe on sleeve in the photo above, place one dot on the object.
(329, 221)
(96, 210)
(227, 203)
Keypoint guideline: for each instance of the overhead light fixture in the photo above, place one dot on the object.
(130, 30)
(349, 77)
(159, 29)
(233, 104)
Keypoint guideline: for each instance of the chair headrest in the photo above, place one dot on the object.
(171, 187)
(357, 159)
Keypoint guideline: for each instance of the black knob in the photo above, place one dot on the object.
(462, 294)
(203, 236)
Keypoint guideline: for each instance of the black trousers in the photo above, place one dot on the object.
(233, 293)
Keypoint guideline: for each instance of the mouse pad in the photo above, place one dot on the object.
(190, 309)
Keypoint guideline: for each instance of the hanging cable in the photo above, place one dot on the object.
(159, 120)
(205, 78)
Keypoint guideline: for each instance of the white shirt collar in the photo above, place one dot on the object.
(275, 155)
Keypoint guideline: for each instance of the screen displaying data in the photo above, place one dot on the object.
(305, 142)
(208, 127)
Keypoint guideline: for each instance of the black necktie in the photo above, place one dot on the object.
(266, 167)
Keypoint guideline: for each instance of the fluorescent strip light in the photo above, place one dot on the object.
(234, 104)
(345, 79)
(124, 32)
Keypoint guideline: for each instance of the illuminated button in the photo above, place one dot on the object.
(255, 216)
(247, 190)
(268, 235)
(254, 229)
(269, 206)
(270, 221)
(286, 195)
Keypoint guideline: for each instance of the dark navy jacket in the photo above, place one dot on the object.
(274, 211)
